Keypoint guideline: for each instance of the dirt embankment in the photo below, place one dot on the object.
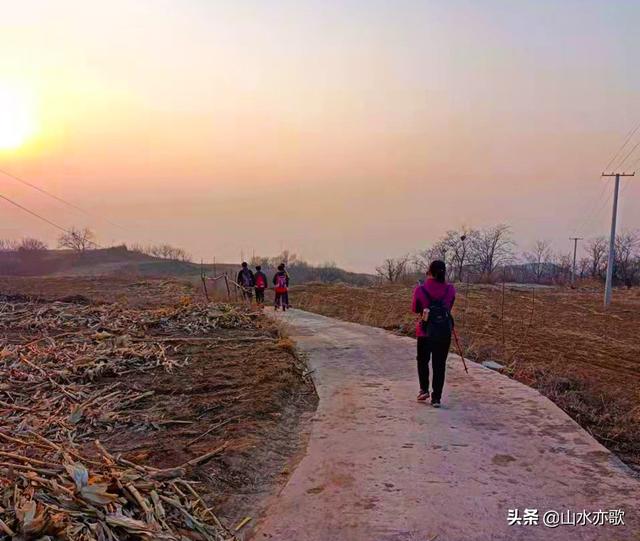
(158, 378)
(560, 341)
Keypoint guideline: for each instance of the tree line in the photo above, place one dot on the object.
(82, 240)
(491, 254)
(302, 271)
(162, 251)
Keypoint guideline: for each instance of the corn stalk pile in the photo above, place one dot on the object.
(58, 390)
(191, 319)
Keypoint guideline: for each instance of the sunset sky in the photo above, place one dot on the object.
(344, 130)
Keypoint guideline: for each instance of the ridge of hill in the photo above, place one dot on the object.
(119, 260)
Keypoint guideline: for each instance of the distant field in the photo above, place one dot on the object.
(560, 341)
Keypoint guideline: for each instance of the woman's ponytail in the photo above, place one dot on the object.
(438, 270)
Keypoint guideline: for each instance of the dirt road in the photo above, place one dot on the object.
(381, 467)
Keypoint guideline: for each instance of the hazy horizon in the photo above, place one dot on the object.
(344, 132)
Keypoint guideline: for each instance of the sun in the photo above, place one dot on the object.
(17, 121)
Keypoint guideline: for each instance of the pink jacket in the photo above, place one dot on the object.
(437, 290)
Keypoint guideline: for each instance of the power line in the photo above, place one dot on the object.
(65, 202)
(626, 141)
(624, 184)
(635, 163)
(57, 198)
(593, 210)
(42, 190)
(598, 214)
(627, 156)
(33, 213)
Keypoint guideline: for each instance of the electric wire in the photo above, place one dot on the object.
(600, 203)
(635, 163)
(597, 214)
(626, 182)
(626, 142)
(25, 209)
(57, 198)
(621, 164)
(590, 211)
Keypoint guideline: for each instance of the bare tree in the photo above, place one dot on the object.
(393, 269)
(78, 240)
(9, 245)
(539, 258)
(31, 253)
(562, 268)
(458, 245)
(626, 257)
(454, 248)
(286, 257)
(162, 251)
(167, 251)
(29, 244)
(491, 248)
(584, 266)
(422, 259)
(597, 249)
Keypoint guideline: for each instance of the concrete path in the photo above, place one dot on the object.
(381, 467)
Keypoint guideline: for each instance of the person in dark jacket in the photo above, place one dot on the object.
(435, 293)
(246, 280)
(261, 283)
(281, 283)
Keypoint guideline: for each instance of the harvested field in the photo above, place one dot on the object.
(124, 291)
(154, 417)
(559, 341)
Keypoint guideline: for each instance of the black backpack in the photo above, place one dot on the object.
(439, 324)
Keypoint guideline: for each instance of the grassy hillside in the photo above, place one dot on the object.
(119, 261)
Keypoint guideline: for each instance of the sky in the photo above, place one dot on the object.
(346, 131)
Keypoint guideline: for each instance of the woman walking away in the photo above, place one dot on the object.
(281, 281)
(433, 301)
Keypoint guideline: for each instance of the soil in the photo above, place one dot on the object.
(558, 340)
(128, 292)
(247, 390)
(253, 397)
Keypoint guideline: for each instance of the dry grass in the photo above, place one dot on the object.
(159, 378)
(560, 341)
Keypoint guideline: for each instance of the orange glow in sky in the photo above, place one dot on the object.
(345, 131)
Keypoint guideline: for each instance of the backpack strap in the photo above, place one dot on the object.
(429, 298)
(426, 293)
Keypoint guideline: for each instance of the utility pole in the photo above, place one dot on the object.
(612, 238)
(573, 268)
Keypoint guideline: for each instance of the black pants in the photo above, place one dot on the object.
(259, 295)
(282, 299)
(437, 351)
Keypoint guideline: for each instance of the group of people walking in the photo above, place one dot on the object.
(433, 300)
(258, 281)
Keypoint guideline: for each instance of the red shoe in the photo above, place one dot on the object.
(422, 396)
